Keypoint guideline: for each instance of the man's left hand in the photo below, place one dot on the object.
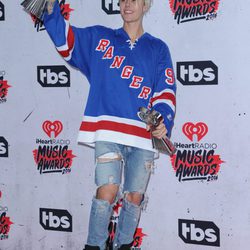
(160, 131)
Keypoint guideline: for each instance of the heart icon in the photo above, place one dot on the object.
(49, 127)
(190, 129)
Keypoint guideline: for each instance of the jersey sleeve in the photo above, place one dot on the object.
(164, 96)
(73, 44)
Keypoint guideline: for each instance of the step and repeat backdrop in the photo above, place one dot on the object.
(198, 199)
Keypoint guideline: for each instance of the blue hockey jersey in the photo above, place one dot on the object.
(123, 77)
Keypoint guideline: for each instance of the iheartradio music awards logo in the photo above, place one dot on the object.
(5, 221)
(4, 86)
(138, 236)
(192, 10)
(196, 160)
(65, 10)
(53, 155)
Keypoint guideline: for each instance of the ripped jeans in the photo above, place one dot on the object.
(136, 165)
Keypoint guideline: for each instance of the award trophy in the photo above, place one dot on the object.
(35, 7)
(153, 118)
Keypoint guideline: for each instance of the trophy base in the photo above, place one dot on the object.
(164, 146)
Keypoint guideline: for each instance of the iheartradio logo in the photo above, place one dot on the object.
(199, 129)
(56, 127)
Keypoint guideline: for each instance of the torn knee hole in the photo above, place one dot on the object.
(109, 157)
(143, 202)
(134, 197)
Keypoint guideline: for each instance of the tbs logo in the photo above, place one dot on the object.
(55, 219)
(199, 232)
(111, 6)
(197, 73)
(2, 73)
(2, 12)
(53, 76)
(4, 152)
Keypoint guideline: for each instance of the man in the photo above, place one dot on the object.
(127, 69)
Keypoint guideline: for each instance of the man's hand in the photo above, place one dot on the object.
(159, 132)
(50, 6)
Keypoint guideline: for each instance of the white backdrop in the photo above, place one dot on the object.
(216, 114)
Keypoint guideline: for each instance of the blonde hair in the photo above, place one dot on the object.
(149, 3)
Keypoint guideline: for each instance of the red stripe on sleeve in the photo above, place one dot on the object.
(166, 96)
(70, 42)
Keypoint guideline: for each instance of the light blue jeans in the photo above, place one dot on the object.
(136, 165)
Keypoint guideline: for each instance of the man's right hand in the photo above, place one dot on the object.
(50, 6)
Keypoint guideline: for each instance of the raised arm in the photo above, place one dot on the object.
(72, 43)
